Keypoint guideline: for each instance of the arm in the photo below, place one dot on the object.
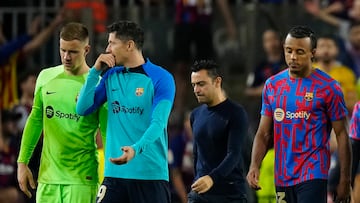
(262, 141)
(229, 21)
(30, 138)
(238, 127)
(344, 153)
(32, 130)
(313, 8)
(238, 130)
(178, 183)
(91, 97)
(9, 48)
(40, 38)
(162, 102)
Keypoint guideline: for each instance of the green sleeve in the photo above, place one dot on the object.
(32, 130)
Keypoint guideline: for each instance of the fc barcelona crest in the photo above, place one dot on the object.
(309, 96)
(139, 91)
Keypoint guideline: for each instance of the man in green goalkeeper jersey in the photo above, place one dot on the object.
(68, 167)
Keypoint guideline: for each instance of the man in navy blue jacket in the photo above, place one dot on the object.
(219, 128)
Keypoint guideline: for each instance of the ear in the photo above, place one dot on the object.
(87, 49)
(313, 54)
(218, 81)
(130, 45)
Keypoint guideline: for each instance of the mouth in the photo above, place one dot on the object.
(293, 66)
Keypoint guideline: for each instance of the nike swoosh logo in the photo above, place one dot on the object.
(47, 92)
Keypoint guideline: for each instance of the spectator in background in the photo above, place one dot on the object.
(326, 60)
(181, 161)
(193, 26)
(9, 190)
(18, 50)
(273, 63)
(348, 30)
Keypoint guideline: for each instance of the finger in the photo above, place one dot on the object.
(28, 193)
(254, 184)
(203, 189)
(32, 182)
(24, 188)
(118, 161)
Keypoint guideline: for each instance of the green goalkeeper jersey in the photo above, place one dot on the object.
(69, 153)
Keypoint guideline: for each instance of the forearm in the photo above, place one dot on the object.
(87, 100)
(31, 135)
(328, 18)
(225, 11)
(235, 144)
(158, 124)
(39, 39)
(260, 147)
(345, 157)
(178, 183)
(11, 47)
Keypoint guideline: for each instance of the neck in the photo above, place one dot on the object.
(302, 74)
(79, 71)
(220, 97)
(135, 60)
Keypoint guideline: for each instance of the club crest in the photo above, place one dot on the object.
(309, 96)
(139, 91)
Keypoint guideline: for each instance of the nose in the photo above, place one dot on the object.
(67, 56)
(196, 89)
(293, 55)
(107, 50)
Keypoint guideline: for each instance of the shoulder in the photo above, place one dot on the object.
(155, 71)
(198, 111)
(322, 78)
(48, 74)
(278, 76)
(235, 108)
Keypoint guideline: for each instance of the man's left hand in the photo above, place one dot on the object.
(202, 184)
(128, 154)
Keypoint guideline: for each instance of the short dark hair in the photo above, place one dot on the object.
(211, 66)
(128, 30)
(302, 31)
(74, 31)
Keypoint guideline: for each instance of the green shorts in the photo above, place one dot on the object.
(55, 193)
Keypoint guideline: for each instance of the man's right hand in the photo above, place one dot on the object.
(253, 178)
(104, 60)
(25, 178)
